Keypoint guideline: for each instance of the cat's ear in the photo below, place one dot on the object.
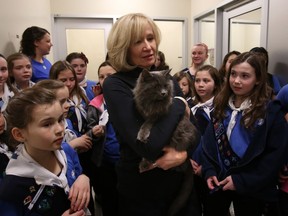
(167, 72)
(145, 74)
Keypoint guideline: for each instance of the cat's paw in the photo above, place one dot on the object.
(146, 165)
(143, 136)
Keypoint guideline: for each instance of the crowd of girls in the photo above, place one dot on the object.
(62, 136)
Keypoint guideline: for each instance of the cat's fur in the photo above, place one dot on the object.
(153, 95)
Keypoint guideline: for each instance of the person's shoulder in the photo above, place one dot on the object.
(120, 78)
(67, 148)
(283, 90)
(46, 61)
(275, 110)
(282, 95)
(97, 101)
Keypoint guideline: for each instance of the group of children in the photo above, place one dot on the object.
(55, 138)
(244, 144)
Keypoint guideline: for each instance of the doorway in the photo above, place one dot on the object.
(89, 35)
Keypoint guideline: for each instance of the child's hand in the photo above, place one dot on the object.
(196, 167)
(83, 143)
(228, 183)
(212, 181)
(98, 130)
(97, 90)
(80, 193)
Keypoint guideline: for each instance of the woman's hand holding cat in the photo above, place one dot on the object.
(171, 158)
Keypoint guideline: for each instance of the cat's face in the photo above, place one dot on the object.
(157, 84)
(153, 93)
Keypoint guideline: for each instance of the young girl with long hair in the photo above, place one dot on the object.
(185, 82)
(244, 146)
(228, 58)
(77, 113)
(20, 71)
(7, 91)
(63, 71)
(207, 84)
(105, 148)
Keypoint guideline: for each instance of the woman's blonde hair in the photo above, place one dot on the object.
(128, 30)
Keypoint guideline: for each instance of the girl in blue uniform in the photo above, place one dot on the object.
(43, 176)
(246, 144)
(105, 148)
(207, 84)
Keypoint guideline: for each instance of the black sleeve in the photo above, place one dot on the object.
(127, 121)
(93, 115)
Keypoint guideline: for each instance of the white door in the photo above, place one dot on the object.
(173, 43)
(87, 35)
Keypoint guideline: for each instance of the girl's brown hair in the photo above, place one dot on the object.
(8, 82)
(25, 102)
(259, 97)
(222, 70)
(60, 66)
(180, 75)
(10, 63)
(215, 76)
(77, 55)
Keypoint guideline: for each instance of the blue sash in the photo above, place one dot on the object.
(228, 156)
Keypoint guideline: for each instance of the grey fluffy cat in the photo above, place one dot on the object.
(153, 95)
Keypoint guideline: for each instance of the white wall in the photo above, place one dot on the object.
(199, 7)
(16, 16)
(19, 15)
(277, 37)
(156, 9)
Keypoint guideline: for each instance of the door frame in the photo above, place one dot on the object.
(61, 48)
(113, 19)
(222, 12)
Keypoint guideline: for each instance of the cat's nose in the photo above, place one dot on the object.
(163, 93)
